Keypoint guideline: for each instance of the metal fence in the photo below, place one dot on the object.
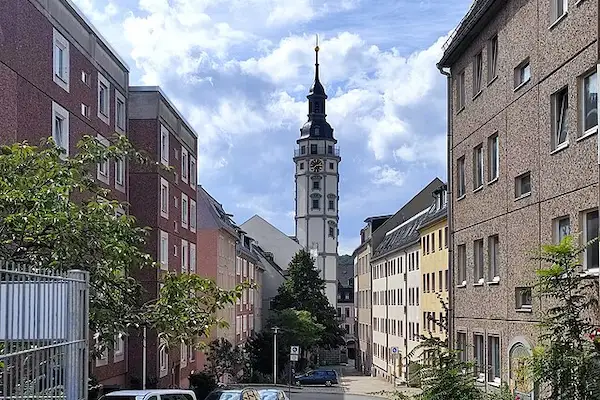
(43, 333)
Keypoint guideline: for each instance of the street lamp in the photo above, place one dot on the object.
(275, 329)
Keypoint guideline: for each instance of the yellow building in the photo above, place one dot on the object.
(434, 265)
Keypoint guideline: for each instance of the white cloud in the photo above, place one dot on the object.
(386, 176)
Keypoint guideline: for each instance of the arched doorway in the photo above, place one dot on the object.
(521, 381)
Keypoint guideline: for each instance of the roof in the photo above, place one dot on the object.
(370, 219)
(468, 28)
(272, 263)
(345, 270)
(435, 214)
(402, 236)
(214, 210)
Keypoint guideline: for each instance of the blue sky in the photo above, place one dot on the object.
(239, 70)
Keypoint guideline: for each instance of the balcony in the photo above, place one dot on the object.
(311, 150)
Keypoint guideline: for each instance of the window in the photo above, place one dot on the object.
(523, 185)
(301, 166)
(192, 215)
(184, 211)
(478, 167)
(331, 166)
(425, 283)
(590, 230)
(61, 60)
(183, 356)
(478, 261)
(164, 198)
(331, 231)
(522, 74)
(331, 205)
(589, 103)
(103, 98)
(85, 110)
(493, 258)
(103, 166)
(317, 131)
(347, 312)
(119, 112)
(192, 258)
(313, 149)
(523, 298)
(494, 359)
(492, 51)
(446, 237)
(330, 149)
(185, 248)
(479, 356)
(493, 157)
(433, 242)
(164, 145)
(315, 204)
(433, 281)
(60, 127)
(461, 345)
(460, 91)
(460, 171)
(558, 8)
(302, 149)
(163, 358)
(440, 280)
(440, 239)
(560, 118)
(477, 73)
(120, 172)
(562, 228)
(185, 167)
(193, 172)
(164, 250)
(119, 349)
(316, 185)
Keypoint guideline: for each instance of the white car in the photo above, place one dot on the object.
(150, 394)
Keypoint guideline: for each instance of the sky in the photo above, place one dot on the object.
(240, 70)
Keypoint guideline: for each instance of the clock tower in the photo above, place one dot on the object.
(317, 182)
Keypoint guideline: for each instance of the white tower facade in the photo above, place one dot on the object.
(317, 178)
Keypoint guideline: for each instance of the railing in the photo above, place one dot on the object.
(329, 150)
(43, 333)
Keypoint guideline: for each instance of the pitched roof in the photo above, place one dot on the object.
(402, 236)
(211, 215)
(435, 214)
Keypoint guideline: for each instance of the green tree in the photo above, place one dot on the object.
(303, 290)
(225, 359)
(298, 328)
(567, 360)
(53, 216)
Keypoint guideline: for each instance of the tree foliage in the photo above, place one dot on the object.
(54, 215)
(298, 328)
(225, 359)
(303, 290)
(567, 360)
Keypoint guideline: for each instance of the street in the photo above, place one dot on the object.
(311, 395)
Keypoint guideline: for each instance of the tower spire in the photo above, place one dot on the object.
(317, 59)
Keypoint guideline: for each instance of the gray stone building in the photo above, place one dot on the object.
(523, 166)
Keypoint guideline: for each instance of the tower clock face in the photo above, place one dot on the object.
(316, 165)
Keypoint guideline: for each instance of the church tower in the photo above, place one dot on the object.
(317, 181)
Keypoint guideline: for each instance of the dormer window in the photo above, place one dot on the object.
(317, 131)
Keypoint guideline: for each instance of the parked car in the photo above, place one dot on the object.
(325, 377)
(233, 394)
(272, 394)
(150, 394)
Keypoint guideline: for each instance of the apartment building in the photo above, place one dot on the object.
(165, 201)
(523, 166)
(60, 78)
(434, 265)
(246, 270)
(363, 296)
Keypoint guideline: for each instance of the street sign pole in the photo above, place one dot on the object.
(294, 357)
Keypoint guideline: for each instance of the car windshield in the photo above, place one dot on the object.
(268, 394)
(224, 395)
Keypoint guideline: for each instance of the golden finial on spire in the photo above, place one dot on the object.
(317, 44)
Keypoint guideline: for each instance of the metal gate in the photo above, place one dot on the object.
(43, 333)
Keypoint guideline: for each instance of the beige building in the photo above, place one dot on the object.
(523, 165)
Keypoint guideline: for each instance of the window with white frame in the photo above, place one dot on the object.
(478, 261)
(183, 355)
(85, 78)
(589, 103)
(560, 118)
(164, 145)
(60, 60)
(522, 73)
(164, 250)
(562, 228)
(103, 166)
(184, 211)
(185, 168)
(119, 350)
(493, 258)
(103, 98)
(85, 110)
(460, 91)
(164, 198)
(102, 359)
(238, 325)
(479, 356)
(492, 51)
(558, 8)
(477, 73)
(185, 256)
(163, 358)
(590, 232)
(494, 359)
(120, 172)
(478, 167)
(245, 322)
(193, 172)
(493, 157)
(523, 185)
(60, 127)
(460, 172)
(192, 353)
(119, 112)
(192, 216)
(192, 258)
(523, 298)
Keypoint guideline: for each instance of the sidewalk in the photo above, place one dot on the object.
(353, 382)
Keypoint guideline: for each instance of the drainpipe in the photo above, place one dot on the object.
(387, 315)
(450, 202)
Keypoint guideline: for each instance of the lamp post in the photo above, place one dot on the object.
(275, 330)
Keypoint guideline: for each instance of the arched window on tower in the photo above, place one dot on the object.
(317, 131)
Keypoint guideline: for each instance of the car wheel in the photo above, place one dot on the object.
(298, 383)
(327, 383)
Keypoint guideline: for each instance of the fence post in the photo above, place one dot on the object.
(77, 326)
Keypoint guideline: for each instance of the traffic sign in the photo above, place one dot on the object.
(294, 357)
(295, 350)
(394, 350)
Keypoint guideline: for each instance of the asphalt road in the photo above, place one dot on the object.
(316, 395)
